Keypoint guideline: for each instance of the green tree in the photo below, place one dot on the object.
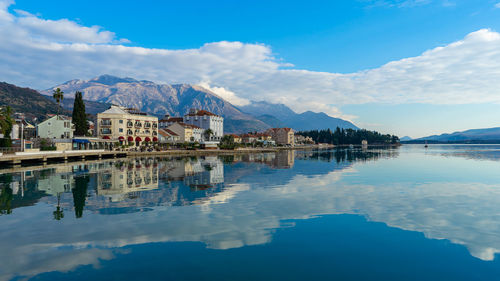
(79, 117)
(80, 194)
(58, 95)
(208, 133)
(6, 200)
(227, 142)
(6, 123)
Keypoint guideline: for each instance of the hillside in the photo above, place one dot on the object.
(484, 135)
(28, 101)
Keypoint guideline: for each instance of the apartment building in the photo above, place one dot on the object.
(282, 136)
(127, 126)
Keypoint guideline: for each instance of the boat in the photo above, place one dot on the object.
(426, 145)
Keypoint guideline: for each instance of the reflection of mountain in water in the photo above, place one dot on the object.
(132, 185)
(192, 199)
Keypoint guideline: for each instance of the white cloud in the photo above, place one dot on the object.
(497, 5)
(41, 53)
(225, 94)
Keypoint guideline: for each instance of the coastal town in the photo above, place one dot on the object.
(126, 129)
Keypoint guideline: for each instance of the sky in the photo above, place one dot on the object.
(405, 67)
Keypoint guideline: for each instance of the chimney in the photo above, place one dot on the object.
(193, 111)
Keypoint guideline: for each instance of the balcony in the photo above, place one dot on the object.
(147, 125)
(155, 133)
(138, 124)
(147, 132)
(155, 125)
(106, 123)
(130, 124)
(105, 132)
(129, 132)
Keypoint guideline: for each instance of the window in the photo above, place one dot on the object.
(121, 121)
(120, 130)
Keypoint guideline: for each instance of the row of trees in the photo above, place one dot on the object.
(349, 136)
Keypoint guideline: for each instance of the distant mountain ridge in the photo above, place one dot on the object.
(486, 134)
(176, 100)
(301, 122)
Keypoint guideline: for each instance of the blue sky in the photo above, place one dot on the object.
(332, 37)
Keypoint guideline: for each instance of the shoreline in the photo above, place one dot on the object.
(10, 161)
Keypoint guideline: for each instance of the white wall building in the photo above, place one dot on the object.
(206, 120)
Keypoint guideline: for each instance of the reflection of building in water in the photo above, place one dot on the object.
(195, 172)
(211, 172)
(57, 180)
(125, 179)
(284, 159)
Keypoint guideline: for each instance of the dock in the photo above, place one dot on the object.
(60, 156)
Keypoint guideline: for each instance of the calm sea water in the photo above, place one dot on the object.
(399, 214)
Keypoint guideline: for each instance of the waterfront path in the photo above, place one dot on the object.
(63, 156)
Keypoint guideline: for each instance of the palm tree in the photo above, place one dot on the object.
(58, 95)
(208, 133)
(59, 212)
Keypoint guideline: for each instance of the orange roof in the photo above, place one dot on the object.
(202, 113)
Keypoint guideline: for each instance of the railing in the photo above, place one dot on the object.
(129, 132)
(130, 124)
(105, 123)
(155, 133)
(147, 125)
(9, 150)
(106, 132)
(138, 125)
(155, 125)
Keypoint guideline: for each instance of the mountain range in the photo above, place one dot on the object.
(177, 99)
(474, 135)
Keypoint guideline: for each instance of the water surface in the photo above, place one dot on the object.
(396, 214)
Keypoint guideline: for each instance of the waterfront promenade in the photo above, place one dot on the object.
(74, 155)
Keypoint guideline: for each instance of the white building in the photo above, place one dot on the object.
(56, 127)
(206, 120)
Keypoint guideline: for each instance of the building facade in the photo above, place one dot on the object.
(168, 120)
(282, 136)
(56, 127)
(206, 120)
(168, 136)
(187, 132)
(127, 126)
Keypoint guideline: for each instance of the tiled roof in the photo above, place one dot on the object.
(115, 110)
(202, 113)
(167, 133)
(173, 120)
(189, 125)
